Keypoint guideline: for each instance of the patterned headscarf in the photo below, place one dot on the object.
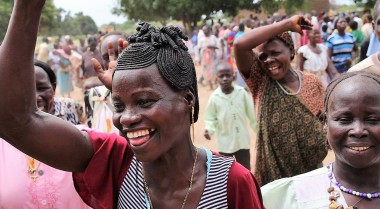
(287, 40)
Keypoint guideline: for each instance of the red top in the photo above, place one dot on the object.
(100, 183)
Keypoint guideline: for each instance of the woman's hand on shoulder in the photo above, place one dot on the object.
(299, 23)
(105, 76)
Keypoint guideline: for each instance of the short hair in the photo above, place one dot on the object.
(112, 33)
(331, 87)
(224, 64)
(163, 46)
(241, 26)
(91, 39)
(324, 28)
(353, 25)
(49, 72)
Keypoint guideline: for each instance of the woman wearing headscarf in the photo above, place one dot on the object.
(154, 164)
(290, 139)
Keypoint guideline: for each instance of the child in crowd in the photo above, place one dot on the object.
(226, 115)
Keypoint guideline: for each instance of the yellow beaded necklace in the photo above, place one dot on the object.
(33, 166)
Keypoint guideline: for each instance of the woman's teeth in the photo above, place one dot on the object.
(273, 68)
(139, 133)
(359, 148)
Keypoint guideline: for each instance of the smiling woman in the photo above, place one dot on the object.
(28, 179)
(154, 164)
(352, 122)
(288, 101)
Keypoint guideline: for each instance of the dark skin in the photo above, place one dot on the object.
(44, 91)
(105, 76)
(167, 166)
(341, 27)
(313, 36)
(278, 53)
(224, 76)
(168, 155)
(353, 120)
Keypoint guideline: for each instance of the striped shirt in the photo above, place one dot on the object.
(342, 47)
(132, 193)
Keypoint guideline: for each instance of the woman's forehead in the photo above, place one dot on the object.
(354, 88)
(39, 72)
(275, 43)
(144, 77)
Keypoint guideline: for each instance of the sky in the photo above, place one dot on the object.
(100, 11)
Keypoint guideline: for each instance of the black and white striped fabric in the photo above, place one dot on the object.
(132, 194)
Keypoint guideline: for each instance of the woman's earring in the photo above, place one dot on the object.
(192, 122)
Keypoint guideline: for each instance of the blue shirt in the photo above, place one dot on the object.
(342, 47)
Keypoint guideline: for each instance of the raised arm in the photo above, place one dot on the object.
(38, 134)
(244, 45)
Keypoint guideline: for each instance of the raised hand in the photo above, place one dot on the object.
(105, 76)
(300, 23)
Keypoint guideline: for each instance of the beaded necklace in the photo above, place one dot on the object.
(290, 93)
(190, 184)
(33, 166)
(350, 191)
(334, 194)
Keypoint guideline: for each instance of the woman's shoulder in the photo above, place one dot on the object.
(322, 46)
(308, 190)
(310, 78)
(303, 49)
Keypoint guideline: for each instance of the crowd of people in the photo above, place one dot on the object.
(304, 84)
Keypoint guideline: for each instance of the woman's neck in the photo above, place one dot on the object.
(313, 43)
(290, 77)
(366, 180)
(173, 167)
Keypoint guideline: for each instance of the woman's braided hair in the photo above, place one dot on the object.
(163, 46)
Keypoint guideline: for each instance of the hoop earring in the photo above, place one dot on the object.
(192, 122)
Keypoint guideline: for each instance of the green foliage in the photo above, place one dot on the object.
(189, 12)
(290, 6)
(5, 14)
(367, 3)
(52, 21)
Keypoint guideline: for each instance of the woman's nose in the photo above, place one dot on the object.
(129, 118)
(358, 130)
(268, 59)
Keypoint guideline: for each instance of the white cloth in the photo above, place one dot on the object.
(315, 63)
(308, 190)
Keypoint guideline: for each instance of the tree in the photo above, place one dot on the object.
(366, 3)
(5, 14)
(147, 10)
(85, 23)
(49, 21)
(189, 12)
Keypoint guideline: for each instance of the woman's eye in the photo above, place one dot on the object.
(276, 53)
(145, 102)
(372, 120)
(43, 88)
(118, 107)
(344, 120)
